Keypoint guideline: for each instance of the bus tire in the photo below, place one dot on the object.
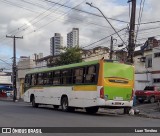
(55, 106)
(64, 103)
(71, 109)
(126, 110)
(34, 104)
(92, 110)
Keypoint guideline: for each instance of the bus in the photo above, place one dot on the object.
(89, 85)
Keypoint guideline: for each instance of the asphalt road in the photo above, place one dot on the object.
(21, 114)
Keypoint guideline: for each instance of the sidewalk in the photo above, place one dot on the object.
(148, 110)
(10, 99)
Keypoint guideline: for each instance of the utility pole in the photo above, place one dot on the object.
(111, 49)
(131, 45)
(14, 69)
(90, 4)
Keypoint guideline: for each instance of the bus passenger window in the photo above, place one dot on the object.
(56, 78)
(40, 79)
(66, 77)
(34, 80)
(91, 74)
(45, 78)
(49, 78)
(27, 80)
(78, 75)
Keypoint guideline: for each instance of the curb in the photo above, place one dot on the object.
(11, 100)
(147, 116)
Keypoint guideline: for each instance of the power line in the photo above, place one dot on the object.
(50, 22)
(103, 38)
(85, 11)
(5, 62)
(20, 6)
(140, 17)
(30, 21)
(53, 20)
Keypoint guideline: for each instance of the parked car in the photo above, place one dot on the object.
(150, 94)
(9, 93)
(3, 93)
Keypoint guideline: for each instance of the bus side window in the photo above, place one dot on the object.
(27, 81)
(67, 76)
(78, 75)
(45, 76)
(34, 82)
(91, 74)
(40, 79)
(56, 78)
(49, 78)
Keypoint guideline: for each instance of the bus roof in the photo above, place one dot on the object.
(63, 67)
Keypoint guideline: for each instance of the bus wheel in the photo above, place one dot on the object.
(55, 106)
(92, 110)
(126, 110)
(34, 104)
(64, 103)
(71, 109)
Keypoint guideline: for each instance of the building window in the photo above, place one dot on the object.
(148, 61)
(156, 80)
(157, 54)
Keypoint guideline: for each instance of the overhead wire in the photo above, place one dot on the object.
(139, 18)
(74, 8)
(103, 38)
(53, 20)
(68, 20)
(30, 21)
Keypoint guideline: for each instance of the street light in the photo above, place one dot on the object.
(90, 4)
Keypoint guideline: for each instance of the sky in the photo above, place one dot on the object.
(38, 20)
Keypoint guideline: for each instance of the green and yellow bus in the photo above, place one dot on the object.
(89, 85)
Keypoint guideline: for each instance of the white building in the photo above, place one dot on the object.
(73, 38)
(56, 43)
(5, 78)
(147, 65)
(24, 65)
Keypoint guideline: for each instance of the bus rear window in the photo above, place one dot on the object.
(118, 81)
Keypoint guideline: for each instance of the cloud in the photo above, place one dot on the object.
(92, 28)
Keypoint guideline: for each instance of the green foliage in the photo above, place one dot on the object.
(71, 55)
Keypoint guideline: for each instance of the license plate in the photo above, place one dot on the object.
(117, 103)
(118, 98)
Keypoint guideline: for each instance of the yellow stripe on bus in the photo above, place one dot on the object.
(37, 87)
(85, 88)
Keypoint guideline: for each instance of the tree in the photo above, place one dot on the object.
(71, 55)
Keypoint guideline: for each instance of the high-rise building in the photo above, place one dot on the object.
(73, 38)
(56, 43)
